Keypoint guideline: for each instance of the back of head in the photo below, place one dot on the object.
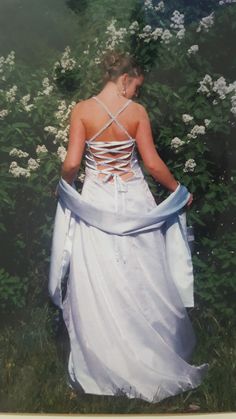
(114, 64)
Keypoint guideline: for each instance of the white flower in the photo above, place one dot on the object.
(181, 33)
(157, 33)
(222, 2)
(3, 113)
(187, 118)
(13, 165)
(134, 27)
(115, 36)
(189, 166)
(166, 35)
(50, 129)
(47, 88)
(148, 4)
(205, 23)
(28, 108)
(206, 85)
(207, 122)
(45, 82)
(176, 143)
(18, 153)
(24, 101)
(61, 152)
(233, 100)
(148, 34)
(220, 87)
(33, 164)
(197, 130)
(10, 60)
(81, 177)
(6, 65)
(10, 94)
(193, 49)
(232, 87)
(62, 115)
(17, 171)
(160, 7)
(207, 79)
(66, 62)
(233, 110)
(147, 29)
(62, 135)
(41, 149)
(63, 112)
(177, 20)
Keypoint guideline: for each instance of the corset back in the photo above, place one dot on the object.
(122, 154)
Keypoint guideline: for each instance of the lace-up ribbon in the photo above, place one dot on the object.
(98, 149)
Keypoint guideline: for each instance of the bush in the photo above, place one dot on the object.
(192, 110)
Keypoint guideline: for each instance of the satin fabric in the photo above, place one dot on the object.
(130, 278)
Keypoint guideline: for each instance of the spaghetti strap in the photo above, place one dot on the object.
(108, 111)
(113, 118)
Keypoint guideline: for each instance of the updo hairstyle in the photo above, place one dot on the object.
(114, 64)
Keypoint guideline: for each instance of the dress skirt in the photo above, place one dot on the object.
(128, 326)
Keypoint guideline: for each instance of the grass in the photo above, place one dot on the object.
(33, 376)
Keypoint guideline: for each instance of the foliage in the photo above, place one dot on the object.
(216, 274)
(192, 111)
(12, 291)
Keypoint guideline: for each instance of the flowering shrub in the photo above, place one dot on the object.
(192, 107)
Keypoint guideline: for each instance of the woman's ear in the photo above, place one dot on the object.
(125, 78)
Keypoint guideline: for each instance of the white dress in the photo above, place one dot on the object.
(126, 293)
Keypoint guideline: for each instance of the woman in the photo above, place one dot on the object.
(130, 270)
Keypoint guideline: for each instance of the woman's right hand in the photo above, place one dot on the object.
(190, 200)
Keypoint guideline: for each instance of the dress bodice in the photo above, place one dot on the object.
(123, 152)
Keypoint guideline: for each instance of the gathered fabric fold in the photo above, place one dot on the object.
(169, 216)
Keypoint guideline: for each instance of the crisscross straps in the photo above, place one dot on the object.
(113, 118)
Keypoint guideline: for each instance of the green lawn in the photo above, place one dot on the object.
(34, 370)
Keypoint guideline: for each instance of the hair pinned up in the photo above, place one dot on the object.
(114, 64)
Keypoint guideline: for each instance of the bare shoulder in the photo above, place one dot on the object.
(79, 105)
(83, 108)
(140, 110)
(79, 109)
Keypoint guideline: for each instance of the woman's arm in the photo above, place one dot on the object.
(151, 159)
(75, 150)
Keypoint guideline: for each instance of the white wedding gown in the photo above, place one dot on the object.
(125, 313)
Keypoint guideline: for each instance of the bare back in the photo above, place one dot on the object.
(94, 117)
